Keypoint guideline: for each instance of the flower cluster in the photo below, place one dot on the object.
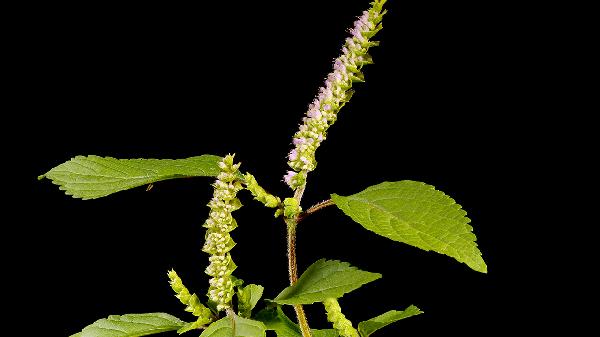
(191, 301)
(218, 241)
(322, 112)
(340, 322)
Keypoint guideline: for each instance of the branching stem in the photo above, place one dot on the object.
(315, 208)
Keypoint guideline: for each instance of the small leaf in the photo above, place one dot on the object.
(417, 214)
(248, 296)
(275, 319)
(131, 325)
(90, 177)
(366, 328)
(243, 328)
(325, 279)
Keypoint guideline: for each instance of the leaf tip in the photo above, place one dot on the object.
(41, 176)
(479, 265)
(484, 268)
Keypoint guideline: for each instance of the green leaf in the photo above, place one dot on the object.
(248, 296)
(417, 214)
(325, 279)
(90, 177)
(276, 320)
(188, 327)
(366, 328)
(131, 325)
(243, 328)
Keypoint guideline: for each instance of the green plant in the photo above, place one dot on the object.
(405, 211)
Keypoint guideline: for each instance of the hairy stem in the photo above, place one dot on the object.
(300, 192)
(293, 264)
(315, 208)
(291, 251)
(302, 321)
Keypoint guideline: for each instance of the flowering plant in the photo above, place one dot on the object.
(405, 211)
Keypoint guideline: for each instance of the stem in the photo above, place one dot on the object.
(291, 251)
(231, 314)
(315, 208)
(302, 321)
(293, 265)
(300, 192)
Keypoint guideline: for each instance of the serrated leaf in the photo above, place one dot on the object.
(325, 279)
(90, 177)
(366, 328)
(248, 296)
(131, 325)
(243, 328)
(275, 319)
(417, 214)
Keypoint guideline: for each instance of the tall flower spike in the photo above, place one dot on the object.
(218, 241)
(322, 112)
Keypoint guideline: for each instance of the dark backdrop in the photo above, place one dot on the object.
(172, 81)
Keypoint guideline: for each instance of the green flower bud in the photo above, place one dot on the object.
(191, 301)
(291, 208)
(259, 193)
(340, 322)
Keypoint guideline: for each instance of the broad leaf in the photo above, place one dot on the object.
(417, 214)
(90, 177)
(131, 325)
(248, 296)
(325, 279)
(366, 328)
(243, 328)
(276, 320)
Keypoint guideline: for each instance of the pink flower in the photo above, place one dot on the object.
(322, 112)
(299, 141)
(288, 177)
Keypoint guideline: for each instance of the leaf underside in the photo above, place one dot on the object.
(417, 214)
(131, 325)
(243, 328)
(325, 279)
(366, 328)
(275, 319)
(90, 177)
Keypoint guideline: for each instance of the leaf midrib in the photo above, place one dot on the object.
(408, 223)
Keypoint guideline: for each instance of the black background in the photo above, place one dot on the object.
(172, 81)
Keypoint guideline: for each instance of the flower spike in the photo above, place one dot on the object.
(191, 302)
(218, 241)
(336, 92)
